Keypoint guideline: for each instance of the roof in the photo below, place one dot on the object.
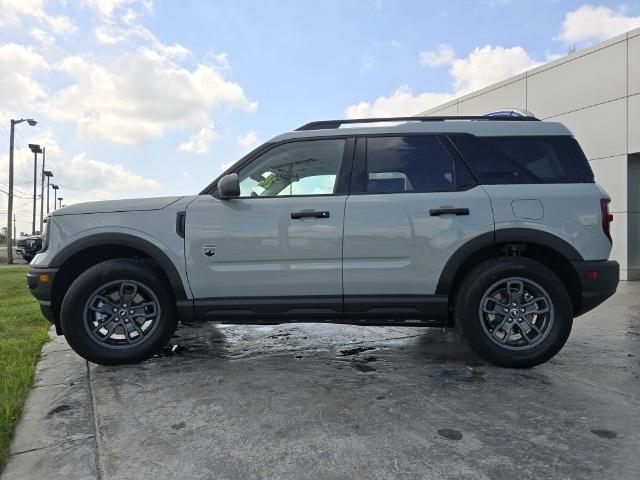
(481, 128)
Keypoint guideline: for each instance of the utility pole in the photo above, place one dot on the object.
(10, 215)
(14, 222)
(10, 199)
(60, 198)
(42, 191)
(36, 150)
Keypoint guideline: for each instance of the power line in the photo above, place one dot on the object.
(14, 195)
(14, 187)
(23, 204)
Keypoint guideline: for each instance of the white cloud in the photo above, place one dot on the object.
(248, 141)
(18, 88)
(83, 174)
(402, 102)
(487, 65)
(589, 23)
(136, 97)
(144, 88)
(41, 36)
(127, 10)
(12, 13)
(443, 55)
(482, 67)
(200, 141)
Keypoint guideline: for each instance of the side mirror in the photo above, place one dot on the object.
(229, 186)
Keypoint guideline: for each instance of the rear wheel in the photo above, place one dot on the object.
(118, 311)
(513, 311)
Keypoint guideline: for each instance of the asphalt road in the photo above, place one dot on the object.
(340, 402)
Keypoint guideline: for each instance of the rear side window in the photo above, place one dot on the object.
(504, 160)
(407, 164)
(579, 159)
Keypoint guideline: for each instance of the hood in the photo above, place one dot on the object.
(110, 206)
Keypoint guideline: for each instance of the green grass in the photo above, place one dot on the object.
(23, 331)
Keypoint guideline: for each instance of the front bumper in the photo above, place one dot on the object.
(598, 279)
(40, 282)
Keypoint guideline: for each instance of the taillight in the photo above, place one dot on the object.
(607, 217)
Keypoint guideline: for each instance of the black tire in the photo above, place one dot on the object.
(76, 313)
(468, 312)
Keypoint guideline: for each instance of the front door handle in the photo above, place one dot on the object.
(436, 212)
(309, 214)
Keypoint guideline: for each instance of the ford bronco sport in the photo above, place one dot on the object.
(493, 224)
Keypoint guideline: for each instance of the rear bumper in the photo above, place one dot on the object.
(40, 281)
(596, 288)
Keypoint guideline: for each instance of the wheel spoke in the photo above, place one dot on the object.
(138, 329)
(515, 289)
(105, 300)
(103, 309)
(507, 332)
(126, 298)
(102, 323)
(125, 330)
(498, 308)
(110, 329)
(141, 310)
(531, 325)
(524, 332)
(531, 307)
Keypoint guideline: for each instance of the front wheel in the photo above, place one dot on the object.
(513, 311)
(118, 311)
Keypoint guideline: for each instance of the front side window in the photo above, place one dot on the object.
(296, 168)
(407, 164)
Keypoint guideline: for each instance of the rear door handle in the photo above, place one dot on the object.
(309, 214)
(436, 212)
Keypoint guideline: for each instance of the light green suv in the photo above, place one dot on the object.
(493, 224)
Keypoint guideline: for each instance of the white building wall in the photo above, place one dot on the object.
(596, 94)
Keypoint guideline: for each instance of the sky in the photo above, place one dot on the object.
(138, 98)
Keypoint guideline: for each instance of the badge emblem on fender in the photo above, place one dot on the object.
(209, 250)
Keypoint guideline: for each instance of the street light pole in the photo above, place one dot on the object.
(42, 191)
(36, 150)
(48, 174)
(60, 199)
(55, 195)
(32, 123)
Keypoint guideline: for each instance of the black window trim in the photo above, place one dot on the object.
(359, 173)
(341, 187)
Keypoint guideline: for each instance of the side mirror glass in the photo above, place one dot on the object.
(229, 186)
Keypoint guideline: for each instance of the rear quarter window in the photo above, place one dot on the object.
(514, 159)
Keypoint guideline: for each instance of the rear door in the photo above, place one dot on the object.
(412, 204)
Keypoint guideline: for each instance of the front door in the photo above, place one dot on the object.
(277, 249)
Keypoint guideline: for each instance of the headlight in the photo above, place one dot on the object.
(45, 236)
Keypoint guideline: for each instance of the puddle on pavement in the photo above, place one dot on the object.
(355, 351)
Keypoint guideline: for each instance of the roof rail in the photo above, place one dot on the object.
(331, 124)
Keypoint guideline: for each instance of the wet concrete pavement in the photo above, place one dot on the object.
(328, 401)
